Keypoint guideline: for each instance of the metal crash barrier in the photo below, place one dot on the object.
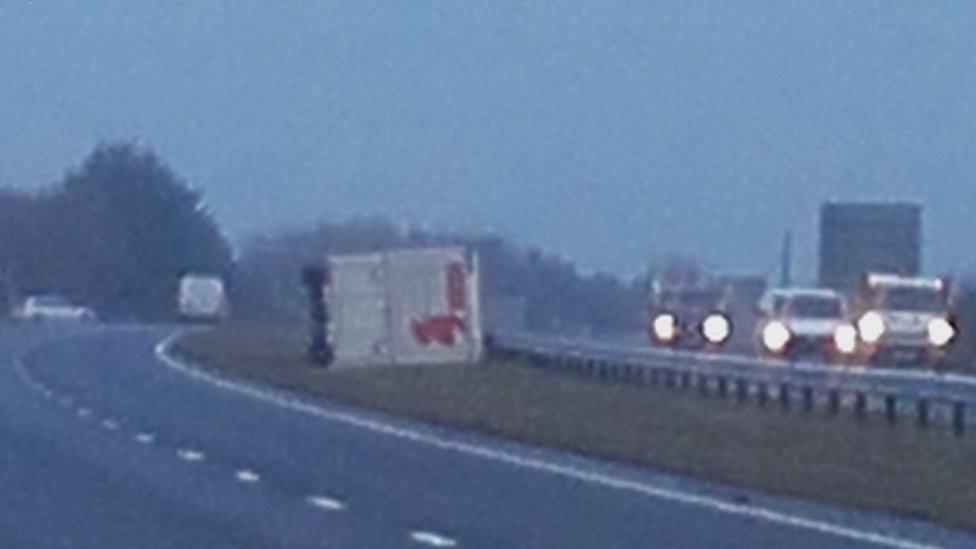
(932, 397)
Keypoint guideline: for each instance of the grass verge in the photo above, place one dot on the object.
(925, 474)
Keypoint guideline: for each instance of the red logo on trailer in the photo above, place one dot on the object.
(445, 328)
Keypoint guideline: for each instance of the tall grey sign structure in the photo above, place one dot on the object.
(862, 237)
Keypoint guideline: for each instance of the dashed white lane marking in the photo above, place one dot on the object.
(84, 412)
(432, 539)
(110, 424)
(247, 476)
(187, 454)
(145, 438)
(323, 502)
(543, 466)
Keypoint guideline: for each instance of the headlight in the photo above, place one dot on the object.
(941, 332)
(871, 327)
(775, 336)
(845, 339)
(665, 327)
(716, 328)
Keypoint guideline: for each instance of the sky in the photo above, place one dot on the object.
(613, 133)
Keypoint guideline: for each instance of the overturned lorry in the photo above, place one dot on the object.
(411, 306)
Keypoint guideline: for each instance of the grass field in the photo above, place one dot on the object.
(923, 474)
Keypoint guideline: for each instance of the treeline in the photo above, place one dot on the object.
(115, 233)
(118, 231)
(547, 291)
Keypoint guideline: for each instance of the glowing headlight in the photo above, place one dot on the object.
(871, 327)
(775, 336)
(665, 327)
(941, 332)
(845, 339)
(716, 328)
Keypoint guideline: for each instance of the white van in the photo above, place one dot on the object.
(202, 298)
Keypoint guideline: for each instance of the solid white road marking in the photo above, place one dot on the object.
(187, 454)
(145, 438)
(540, 465)
(433, 539)
(110, 425)
(323, 502)
(247, 476)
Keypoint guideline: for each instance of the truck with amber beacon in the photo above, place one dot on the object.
(904, 319)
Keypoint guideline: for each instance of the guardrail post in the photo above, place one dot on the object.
(784, 396)
(807, 399)
(742, 390)
(860, 405)
(958, 418)
(703, 384)
(655, 376)
(922, 408)
(723, 386)
(891, 409)
(834, 402)
(669, 378)
(762, 393)
(685, 380)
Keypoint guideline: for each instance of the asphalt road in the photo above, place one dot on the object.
(102, 444)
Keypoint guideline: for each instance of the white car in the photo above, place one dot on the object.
(806, 321)
(50, 307)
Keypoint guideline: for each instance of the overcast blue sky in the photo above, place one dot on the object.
(612, 133)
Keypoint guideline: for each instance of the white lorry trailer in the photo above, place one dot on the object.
(411, 306)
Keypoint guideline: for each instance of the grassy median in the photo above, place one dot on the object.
(905, 470)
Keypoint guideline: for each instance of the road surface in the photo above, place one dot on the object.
(103, 444)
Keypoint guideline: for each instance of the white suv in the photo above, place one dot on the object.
(806, 321)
